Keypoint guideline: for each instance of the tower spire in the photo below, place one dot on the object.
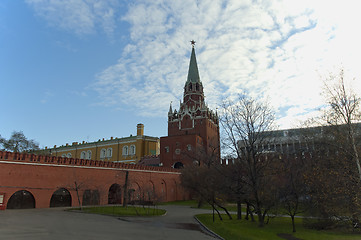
(193, 74)
(170, 108)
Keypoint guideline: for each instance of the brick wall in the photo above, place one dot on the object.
(43, 175)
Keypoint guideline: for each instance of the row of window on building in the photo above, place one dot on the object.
(104, 153)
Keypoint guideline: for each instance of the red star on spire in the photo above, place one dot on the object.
(193, 43)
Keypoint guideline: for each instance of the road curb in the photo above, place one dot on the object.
(210, 232)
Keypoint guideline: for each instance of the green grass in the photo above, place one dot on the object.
(123, 211)
(194, 204)
(191, 203)
(247, 230)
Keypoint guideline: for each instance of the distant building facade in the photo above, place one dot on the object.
(301, 140)
(193, 128)
(127, 149)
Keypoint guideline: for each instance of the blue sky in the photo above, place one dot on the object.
(77, 70)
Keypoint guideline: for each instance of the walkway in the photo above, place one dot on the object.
(35, 224)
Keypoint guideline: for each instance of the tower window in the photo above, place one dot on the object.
(190, 87)
(166, 149)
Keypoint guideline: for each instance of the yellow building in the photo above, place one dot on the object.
(128, 149)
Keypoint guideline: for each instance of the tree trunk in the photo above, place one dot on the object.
(219, 215)
(77, 194)
(200, 203)
(260, 216)
(293, 223)
(247, 210)
(225, 209)
(354, 148)
(125, 196)
(239, 209)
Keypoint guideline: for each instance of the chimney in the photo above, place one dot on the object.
(140, 129)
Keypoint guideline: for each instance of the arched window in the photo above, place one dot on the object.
(132, 150)
(83, 155)
(68, 155)
(109, 152)
(103, 153)
(125, 150)
(89, 155)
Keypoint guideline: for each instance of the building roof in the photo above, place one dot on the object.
(106, 142)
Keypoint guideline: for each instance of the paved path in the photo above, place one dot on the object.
(37, 224)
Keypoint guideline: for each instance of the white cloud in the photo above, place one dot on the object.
(271, 49)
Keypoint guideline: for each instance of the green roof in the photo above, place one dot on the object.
(193, 75)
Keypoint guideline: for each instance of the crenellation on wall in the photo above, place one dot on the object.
(25, 157)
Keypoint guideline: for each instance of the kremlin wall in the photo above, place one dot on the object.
(29, 180)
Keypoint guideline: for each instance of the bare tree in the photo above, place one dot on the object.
(205, 177)
(18, 143)
(334, 174)
(246, 126)
(342, 113)
(333, 187)
(291, 187)
(208, 184)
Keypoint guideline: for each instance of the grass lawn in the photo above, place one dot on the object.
(191, 203)
(123, 211)
(247, 230)
(194, 204)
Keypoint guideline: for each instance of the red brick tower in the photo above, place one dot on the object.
(194, 129)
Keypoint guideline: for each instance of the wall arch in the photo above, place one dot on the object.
(61, 198)
(163, 191)
(134, 193)
(148, 193)
(115, 194)
(91, 197)
(21, 199)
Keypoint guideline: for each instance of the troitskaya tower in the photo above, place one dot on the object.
(194, 128)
